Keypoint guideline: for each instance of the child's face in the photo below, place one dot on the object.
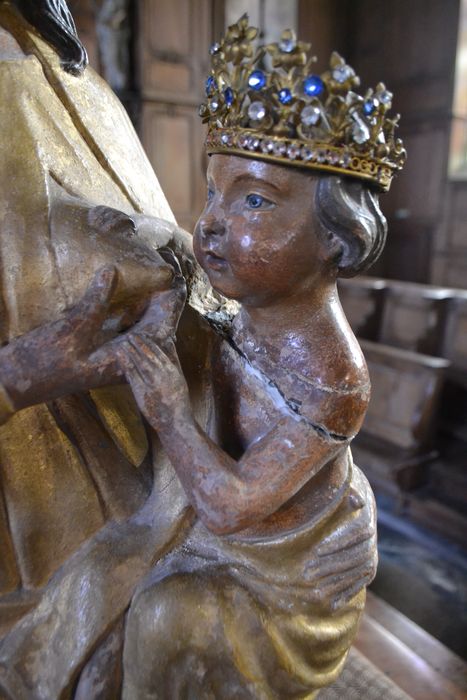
(256, 238)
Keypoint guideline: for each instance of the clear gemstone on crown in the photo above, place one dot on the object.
(293, 151)
(288, 41)
(267, 145)
(360, 132)
(279, 148)
(385, 97)
(227, 139)
(253, 143)
(346, 159)
(257, 111)
(307, 153)
(343, 73)
(310, 115)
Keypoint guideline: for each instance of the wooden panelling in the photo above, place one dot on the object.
(418, 190)
(408, 250)
(325, 23)
(84, 14)
(390, 43)
(458, 217)
(450, 269)
(175, 36)
(173, 136)
(411, 46)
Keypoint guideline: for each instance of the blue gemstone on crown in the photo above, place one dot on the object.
(369, 106)
(285, 96)
(228, 96)
(211, 85)
(313, 86)
(257, 80)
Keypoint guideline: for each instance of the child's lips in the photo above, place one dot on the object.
(214, 261)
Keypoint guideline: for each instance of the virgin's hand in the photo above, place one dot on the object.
(155, 377)
(54, 359)
(347, 558)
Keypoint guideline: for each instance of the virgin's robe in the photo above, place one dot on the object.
(66, 144)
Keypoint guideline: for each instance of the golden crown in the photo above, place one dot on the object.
(290, 115)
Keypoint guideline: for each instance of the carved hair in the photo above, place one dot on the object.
(53, 21)
(350, 215)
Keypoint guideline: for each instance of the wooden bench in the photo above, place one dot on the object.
(414, 317)
(362, 299)
(395, 442)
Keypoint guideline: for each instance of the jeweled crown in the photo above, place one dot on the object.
(290, 115)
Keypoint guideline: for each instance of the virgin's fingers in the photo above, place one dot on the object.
(348, 534)
(353, 558)
(343, 544)
(343, 587)
(343, 597)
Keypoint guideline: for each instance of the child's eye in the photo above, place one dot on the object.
(256, 201)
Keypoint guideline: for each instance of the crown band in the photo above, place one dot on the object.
(289, 115)
(322, 156)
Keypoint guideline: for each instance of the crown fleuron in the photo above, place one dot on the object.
(288, 114)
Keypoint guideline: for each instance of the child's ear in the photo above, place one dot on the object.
(332, 247)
